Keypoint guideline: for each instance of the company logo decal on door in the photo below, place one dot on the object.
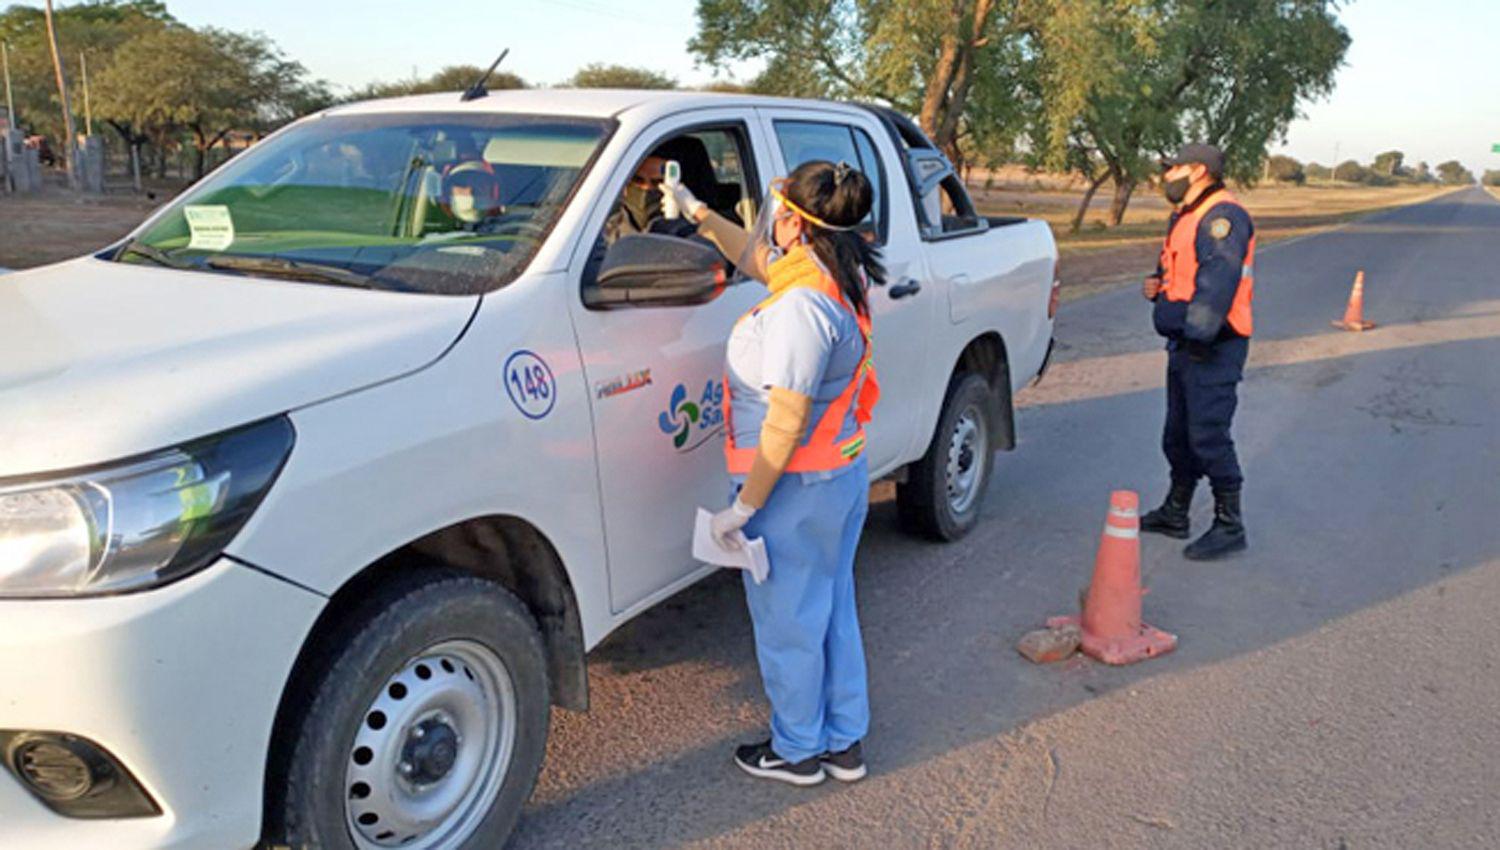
(693, 423)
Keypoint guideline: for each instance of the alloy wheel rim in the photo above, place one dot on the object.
(432, 750)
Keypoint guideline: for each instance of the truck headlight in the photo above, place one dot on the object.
(138, 523)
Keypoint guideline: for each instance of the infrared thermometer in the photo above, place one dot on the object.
(671, 175)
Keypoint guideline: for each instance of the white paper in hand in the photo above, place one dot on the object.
(750, 556)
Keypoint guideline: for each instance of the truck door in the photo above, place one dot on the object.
(903, 309)
(655, 373)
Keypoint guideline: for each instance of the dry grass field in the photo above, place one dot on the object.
(56, 225)
(1098, 256)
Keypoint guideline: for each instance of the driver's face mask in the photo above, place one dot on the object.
(464, 208)
(643, 204)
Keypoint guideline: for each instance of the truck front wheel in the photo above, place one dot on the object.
(426, 727)
(944, 490)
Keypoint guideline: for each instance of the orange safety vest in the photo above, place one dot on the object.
(1179, 263)
(823, 451)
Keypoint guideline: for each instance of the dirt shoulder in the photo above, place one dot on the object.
(1097, 258)
(58, 225)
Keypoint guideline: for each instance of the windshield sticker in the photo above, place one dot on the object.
(620, 386)
(693, 423)
(210, 225)
(530, 384)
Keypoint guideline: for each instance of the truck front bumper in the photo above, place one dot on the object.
(180, 685)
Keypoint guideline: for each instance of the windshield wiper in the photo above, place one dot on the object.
(155, 255)
(288, 268)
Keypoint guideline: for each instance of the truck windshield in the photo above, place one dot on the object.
(439, 204)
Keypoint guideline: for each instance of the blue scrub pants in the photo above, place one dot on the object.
(812, 661)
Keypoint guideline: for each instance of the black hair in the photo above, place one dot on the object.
(841, 196)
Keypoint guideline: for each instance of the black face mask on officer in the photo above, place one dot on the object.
(1176, 190)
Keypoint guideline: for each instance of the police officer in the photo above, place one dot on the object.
(1202, 291)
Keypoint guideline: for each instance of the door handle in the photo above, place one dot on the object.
(905, 288)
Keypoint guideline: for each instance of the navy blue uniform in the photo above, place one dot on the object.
(1205, 356)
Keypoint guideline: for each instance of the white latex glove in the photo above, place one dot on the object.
(686, 200)
(726, 522)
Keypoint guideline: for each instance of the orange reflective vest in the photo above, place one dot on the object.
(1179, 263)
(823, 450)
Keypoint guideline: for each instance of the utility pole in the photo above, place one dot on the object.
(88, 113)
(10, 103)
(74, 177)
(10, 120)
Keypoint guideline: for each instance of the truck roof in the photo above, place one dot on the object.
(583, 103)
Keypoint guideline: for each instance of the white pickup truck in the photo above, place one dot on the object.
(316, 489)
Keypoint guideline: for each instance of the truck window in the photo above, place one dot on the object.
(716, 165)
(805, 141)
(434, 203)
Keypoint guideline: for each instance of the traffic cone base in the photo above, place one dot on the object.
(1346, 325)
(1148, 642)
(1111, 619)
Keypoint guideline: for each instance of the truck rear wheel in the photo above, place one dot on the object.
(426, 730)
(944, 490)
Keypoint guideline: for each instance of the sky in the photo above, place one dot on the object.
(1419, 77)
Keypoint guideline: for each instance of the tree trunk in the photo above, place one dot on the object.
(1123, 190)
(947, 92)
(135, 166)
(1088, 198)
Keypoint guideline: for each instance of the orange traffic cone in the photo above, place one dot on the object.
(1354, 319)
(1111, 621)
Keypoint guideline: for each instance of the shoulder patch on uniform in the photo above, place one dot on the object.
(1219, 229)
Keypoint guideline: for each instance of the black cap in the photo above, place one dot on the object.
(1199, 153)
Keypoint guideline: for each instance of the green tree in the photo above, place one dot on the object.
(1126, 81)
(1453, 173)
(1317, 171)
(96, 28)
(602, 76)
(1423, 173)
(206, 83)
(453, 78)
(1285, 169)
(949, 63)
(1350, 171)
(1491, 177)
(1388, 163)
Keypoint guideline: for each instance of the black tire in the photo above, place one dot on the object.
(923, 501)
(394, 627)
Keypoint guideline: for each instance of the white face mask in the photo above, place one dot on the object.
(464, 208)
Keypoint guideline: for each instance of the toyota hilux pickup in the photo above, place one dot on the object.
(317, 489)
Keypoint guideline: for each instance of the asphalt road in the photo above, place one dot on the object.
(1335, 687)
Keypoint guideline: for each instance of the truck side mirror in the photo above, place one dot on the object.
(656, 271)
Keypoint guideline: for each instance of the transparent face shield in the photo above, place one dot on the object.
(763, 248)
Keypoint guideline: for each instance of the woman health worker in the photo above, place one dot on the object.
(801, 384)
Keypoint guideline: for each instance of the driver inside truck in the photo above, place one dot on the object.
(639, 209)
(471, 195)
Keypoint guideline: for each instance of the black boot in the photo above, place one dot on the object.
(1227, 535)
(1171, 518)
